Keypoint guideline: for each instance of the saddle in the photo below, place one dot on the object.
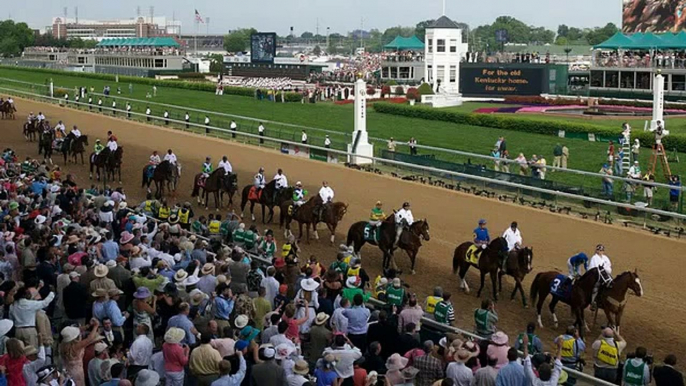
(473, 254)
(254, 194)
(372, 233)
(149, 171)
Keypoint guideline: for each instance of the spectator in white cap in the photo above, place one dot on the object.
(101, 354)
(267, 372)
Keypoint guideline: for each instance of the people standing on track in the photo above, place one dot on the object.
(327, 142)
(171, 157)
(99, 105)
(403, 220)
(391, 145)
(513, 237)
(233, 126)
(166, 118)
(90, 103)
(575, 263)
(207, 124)
(114, 107)
(607, 351)
(412, 143)
(128, 110)
(187, 118)
(147, 113)
(226, 165)
(260, 131)
(303, 138)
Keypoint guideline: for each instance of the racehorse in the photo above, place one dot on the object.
(613, 300)
(518, 264)
(7, 110)
(384, 237)
(217, 183)
(488, 262)
(45, 144)
(108, 162)
(266, 198)
(578, 297)
(31, 130)
(165, 173)
(74, 146)
(331, 215)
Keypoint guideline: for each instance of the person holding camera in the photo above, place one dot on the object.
(573, 347)
(607, 350)
(637, 369)
(547, 376)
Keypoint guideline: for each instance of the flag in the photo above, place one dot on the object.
(198, 18)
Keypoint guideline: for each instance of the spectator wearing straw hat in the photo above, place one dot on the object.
(101, 280)
(175, 356)
(458, 371)
(35, 360)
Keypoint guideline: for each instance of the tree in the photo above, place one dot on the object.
(238, 40)
(216, 63)
(541, 35)
(420, 28)
(14, 37)
(317, 50)
(600, 34)
(307, 35)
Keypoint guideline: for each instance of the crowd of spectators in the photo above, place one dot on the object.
(263, 83)
(641, 59)
(98, 291)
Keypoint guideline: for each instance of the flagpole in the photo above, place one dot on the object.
(196, 37)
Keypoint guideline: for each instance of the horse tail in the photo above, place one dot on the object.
(196, 187)
(533, 292)
(456, 260)
(144, 179)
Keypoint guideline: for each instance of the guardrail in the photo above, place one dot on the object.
(379, 141)
(402, 165)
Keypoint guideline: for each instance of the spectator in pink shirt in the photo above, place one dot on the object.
(411, 314)
(498, 348)
(175, 356)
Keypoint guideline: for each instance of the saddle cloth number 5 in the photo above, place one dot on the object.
(366, 232)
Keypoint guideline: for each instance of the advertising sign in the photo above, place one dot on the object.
(501, 81)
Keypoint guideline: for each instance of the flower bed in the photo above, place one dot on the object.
(373, 100)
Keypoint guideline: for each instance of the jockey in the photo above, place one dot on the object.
(259, 180)
(31, 117)
(75, 131)
(299, 194)
(326, 194)
(513, 237)
(154, 159)
(112, 144)
(481, 237)
(226, 165)
(171, 157)
(281, 183)
(207, 167)
(60, 130)
(377, 216)
(10, 100)
(574, 265)
(40, 117)
(403, 219)
(98, 147)
(600, 260)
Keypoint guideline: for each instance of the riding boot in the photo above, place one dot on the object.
(398, 233)
(594, 306)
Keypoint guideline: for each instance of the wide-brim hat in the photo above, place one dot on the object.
(8, 236)
(30, 350)
(463, 355)
(197, 297)
(249, 333)
(499, 338)
(241, 321)
(94, 239)
(40, 219)
(70, 333)
(115, 292)
(125, 238)
(73, 239)
(122, 205)
(410, 373)
(173, 219)
(44, 372)
(180, 275)
(99, 293)
(301, 367)
(396, 362)
(147, 377)
(174, 335)
(208, 269)
(5, 326)
(101, 270)
(321, 318)
(284, 350)
(142, 293)
(111, 264)
(309, 284)
(191, 280)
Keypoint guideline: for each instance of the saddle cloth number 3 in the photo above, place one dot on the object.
(555, 285)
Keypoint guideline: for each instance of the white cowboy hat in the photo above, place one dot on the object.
(122, 205)
(174, 335)
(70, 333)
(111, 264)
(309, 284)
(147, 377)
(396, 362)
(109, 203)
(100, 347)
(5, 326)
(40, 219)
(101, 270)
(321, 318)
(197, 296)
(191, 280)
(241, 321)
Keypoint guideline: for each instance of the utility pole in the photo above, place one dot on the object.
(76, 14)
(207, 21)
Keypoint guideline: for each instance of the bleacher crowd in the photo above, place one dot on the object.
(98, 291)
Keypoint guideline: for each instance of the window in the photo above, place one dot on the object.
(612, 79)
(429, 74)
(596, 78)
(627, 79)
(431, 45)
(453, 45)
(440, 45)
(384, 72)
(440, 73)
(643, 80)
(394, 72)
(678, 82)
(453, 74)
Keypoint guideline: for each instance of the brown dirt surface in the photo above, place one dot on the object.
(654, 320)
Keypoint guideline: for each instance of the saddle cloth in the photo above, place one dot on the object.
(254, 195)
(149, 171)
(371, 233)
(472, 255)
(561, 287)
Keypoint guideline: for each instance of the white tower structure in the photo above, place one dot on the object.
(443, 50)
(360, 145)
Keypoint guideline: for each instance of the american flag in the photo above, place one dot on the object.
(198, 18)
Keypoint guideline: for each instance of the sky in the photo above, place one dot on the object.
(340, 15)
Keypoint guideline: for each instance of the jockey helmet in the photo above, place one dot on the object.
(261, 170)
(224, 158)
(186, 204)
(600, 247)
(298, 183)
(482, 221)
(406, 204)
(514, 224)
(59, 122)
(97, 140)
(154, 152)
(207, 158)
(378, 203)
(169, 151)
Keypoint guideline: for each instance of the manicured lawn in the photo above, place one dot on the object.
(585, 155)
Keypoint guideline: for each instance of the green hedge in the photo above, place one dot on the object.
(674, 141)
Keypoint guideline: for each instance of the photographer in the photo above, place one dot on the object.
(637, 369)
(547, 376)
(607, 350)
(573, 347)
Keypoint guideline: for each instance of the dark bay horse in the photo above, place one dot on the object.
(45, 144)
(108, 162)
(73, 147)
(269, 198)
(579, 296)
(217, 183)
(331, 215)
(489, 263)
(7, 110)
(410, 241)
(519, 263)
(613, 300)
(165, 174)
(31, 130)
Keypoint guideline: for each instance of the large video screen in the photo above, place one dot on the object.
(653, 16)
(262, 47)
(491, 80)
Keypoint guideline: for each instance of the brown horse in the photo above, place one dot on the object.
(217, 183)
(613, 301)
(7, 110)
(410, 241)
(269, 198)
(165, 174)
(488, 263)
(45, 144)
(31, 130)
(519, 263)
(73, 147)
(109, 163)
(331, 215)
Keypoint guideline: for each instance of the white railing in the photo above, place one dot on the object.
(399, 164)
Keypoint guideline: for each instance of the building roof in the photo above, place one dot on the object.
(644, 41)
(403, 43)
(551, 49)
(444, 22)
(139, 42)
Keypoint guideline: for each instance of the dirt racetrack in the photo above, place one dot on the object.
(656, 320)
